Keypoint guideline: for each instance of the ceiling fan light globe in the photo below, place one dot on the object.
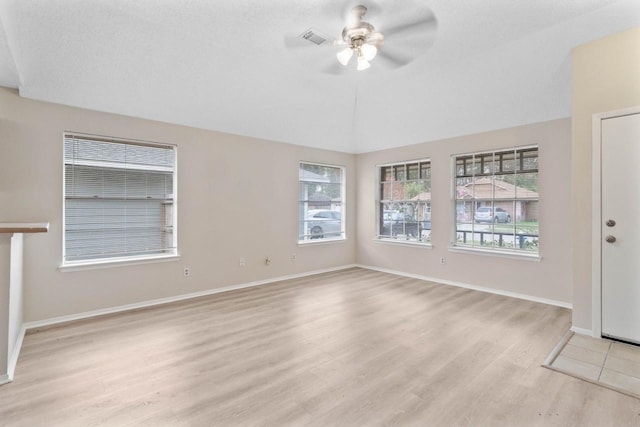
(344, 56)
(363, 64)
(369, 51)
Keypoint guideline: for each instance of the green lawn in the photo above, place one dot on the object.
(522, 227)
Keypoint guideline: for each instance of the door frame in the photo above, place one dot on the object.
(596, 210)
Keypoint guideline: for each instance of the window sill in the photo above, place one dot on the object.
(116, 262)
(321, 241)
(400, 242)
(494, 253)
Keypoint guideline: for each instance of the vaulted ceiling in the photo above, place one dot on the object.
(229, 65)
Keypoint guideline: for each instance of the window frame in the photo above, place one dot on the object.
(172, 252)
(395, 167)
(343, 206)
(515, 251)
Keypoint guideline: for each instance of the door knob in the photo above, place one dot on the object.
(611, 223)
(610, 239)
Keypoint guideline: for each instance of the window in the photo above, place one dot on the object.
(496, 200)
(405, 201)
(321, 207)
(118, 199)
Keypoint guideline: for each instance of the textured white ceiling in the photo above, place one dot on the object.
(224, 64)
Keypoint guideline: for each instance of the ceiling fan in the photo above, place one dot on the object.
(361, 38)
(399, 36)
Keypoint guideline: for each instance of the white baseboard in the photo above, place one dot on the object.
(472, 287)
(4, 379)
(160, 301)
(11, 368)
(582, 331)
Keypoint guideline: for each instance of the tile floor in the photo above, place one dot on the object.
(609, 363)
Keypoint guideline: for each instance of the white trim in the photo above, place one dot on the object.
(4, 379)
(378, 200)
(11, 368)
(400, 242)
(309, 162)
(496, 150)
(496, 252)
(101, 262)
(321, 241)
(472, 287)
(343, 203)
(596, 218)
(161, 301)
(454, 194)
(116, 262)
(404, 162)
(582, 331)
(115, 139)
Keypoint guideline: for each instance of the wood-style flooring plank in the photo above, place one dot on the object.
(354, 347)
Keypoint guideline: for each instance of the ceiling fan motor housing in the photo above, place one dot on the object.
(357, 35)
(357, 32)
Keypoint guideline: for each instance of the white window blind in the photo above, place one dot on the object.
(118, 200)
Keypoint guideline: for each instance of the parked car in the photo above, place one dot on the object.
(488, 214)
(324, 223)
(398, 223)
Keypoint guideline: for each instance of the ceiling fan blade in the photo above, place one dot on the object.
(390, 59)
(426, 23)
(376, 39)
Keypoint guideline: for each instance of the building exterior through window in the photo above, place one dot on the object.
(321, 207)
(496, 200)
(404, 201)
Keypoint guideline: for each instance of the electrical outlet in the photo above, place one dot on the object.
(294, 257)
(267, 261)
(187, 272)
(443, 260)
(241, 262)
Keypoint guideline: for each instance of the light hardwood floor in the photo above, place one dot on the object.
(351, 348)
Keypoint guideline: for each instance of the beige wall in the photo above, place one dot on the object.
(548, 279)
(606, 77)
(237, 198)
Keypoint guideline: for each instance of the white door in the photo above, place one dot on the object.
(620, 237)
